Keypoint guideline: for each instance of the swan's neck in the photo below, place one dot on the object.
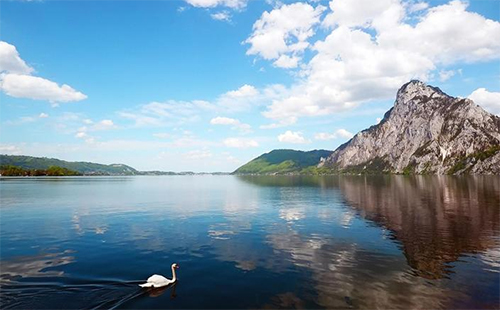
(173, 274)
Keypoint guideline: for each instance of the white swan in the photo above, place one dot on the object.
(160, 281)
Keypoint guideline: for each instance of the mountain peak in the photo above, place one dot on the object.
(416, 89)
(426, 131)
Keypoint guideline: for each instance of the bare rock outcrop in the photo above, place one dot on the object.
(427, 131)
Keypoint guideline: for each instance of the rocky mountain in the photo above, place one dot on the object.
(87, 168)
(283, 162)
(427, 131)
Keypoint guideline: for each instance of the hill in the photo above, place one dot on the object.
(86, 168)
(283, 162)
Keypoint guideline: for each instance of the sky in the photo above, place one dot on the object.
(207, 85)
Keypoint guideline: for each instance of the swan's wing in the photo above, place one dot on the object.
(156, 278)
(158, 281)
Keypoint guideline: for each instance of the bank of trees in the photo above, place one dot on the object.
(10, 170)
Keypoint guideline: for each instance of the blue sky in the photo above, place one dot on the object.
(206, 85)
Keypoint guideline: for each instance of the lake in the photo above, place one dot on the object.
(391, 242)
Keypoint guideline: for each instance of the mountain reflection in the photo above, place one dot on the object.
(435, 219)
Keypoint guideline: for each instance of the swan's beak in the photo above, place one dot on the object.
(177, 267)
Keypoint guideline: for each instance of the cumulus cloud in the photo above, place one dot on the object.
(490, 101)
(240, 143)
(43, 115)
(236, 124)
(32, 87)
(340, 133)
(282, 34)
(16, 80)
(371, 49)
(292, 137)
(233, 4)
(10, 61)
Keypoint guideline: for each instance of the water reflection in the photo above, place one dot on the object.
(436, 219)
(39, 265)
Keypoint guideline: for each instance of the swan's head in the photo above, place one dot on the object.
(175, 266)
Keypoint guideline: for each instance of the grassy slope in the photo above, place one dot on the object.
(283, 161)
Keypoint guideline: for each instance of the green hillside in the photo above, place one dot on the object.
(283, 162)
(43, 163)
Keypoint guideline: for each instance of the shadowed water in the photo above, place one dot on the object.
(389, 242)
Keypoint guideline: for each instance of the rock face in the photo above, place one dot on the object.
(426, 131)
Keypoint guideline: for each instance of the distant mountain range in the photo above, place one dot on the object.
(84, 168)
(87, 168)
(426, 132)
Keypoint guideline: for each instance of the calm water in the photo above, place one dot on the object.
(251, 242)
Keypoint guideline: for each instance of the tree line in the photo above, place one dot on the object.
(10, 170)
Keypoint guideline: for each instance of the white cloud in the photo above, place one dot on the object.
(379, 119)
(10, 149)
(371, 51)
(141, 120)
(445, 75)
(169, 113)
(490, 101)
(198, 154)
(240, 143)
(82, 132)
(43, 115)
(224, 121)
(363, 13)
(244, 91)
(236, 124)
(292, 137)
(418, 6)
(340, 133)
(80, 135)
(287, 62)
(284, 31)
(233, 4)
(32, 87)
(324, 136)
(281, 123)
(105, 124)
(10, 61)
(16, 80)
(223, 16)
(244, 98)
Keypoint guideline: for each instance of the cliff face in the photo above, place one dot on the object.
(426, 131)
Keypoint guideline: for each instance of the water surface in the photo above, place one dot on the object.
(387, 242)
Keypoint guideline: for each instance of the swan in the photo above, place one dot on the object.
(160, 281)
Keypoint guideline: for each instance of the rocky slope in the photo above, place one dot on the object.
(426, 131)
